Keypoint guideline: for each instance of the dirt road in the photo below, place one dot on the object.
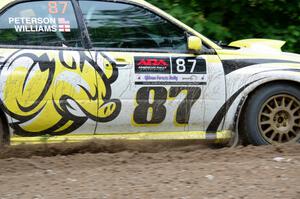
(182, 170)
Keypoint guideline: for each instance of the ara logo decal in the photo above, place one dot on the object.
(152, 65)
(153, 62)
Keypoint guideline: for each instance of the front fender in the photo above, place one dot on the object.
(252, 83)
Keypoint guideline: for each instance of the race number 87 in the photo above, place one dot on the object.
(186, 65)
(57, 7)
(151, 101)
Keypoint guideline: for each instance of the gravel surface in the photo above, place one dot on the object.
(161, 170)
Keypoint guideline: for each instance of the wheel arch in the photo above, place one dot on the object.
(245, 98)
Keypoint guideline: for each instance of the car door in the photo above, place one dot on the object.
(47, 79)
(161, 86)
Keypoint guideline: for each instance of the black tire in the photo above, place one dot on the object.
(262, 125)
(4, 135)
(2, 142)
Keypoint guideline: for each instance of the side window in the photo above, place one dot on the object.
(40, 23)
(121, 25)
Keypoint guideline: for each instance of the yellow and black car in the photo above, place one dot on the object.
(123, 69)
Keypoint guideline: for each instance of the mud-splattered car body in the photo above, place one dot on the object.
(170, 88)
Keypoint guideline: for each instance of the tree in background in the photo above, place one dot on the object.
(229, 20)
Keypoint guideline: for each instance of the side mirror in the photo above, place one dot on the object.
(194, 44)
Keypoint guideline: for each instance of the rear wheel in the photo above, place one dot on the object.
(272, 115)
(1, 134)
(4, 135)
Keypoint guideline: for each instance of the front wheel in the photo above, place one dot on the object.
(272, 116)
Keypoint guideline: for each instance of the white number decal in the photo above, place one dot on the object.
(194, 64)
(180, 65)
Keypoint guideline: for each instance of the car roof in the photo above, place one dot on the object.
(5, 2)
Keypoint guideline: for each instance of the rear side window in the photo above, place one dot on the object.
(40, 23)
(121, 25)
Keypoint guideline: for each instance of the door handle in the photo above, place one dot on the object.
(118, 62)
(121, 62)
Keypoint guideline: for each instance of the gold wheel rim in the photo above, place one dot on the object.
(279, 119)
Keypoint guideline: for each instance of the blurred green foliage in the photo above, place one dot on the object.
(229, 20)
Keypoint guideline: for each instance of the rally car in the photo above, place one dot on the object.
(123, 69)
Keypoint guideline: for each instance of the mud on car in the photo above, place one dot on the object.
(124, 69)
